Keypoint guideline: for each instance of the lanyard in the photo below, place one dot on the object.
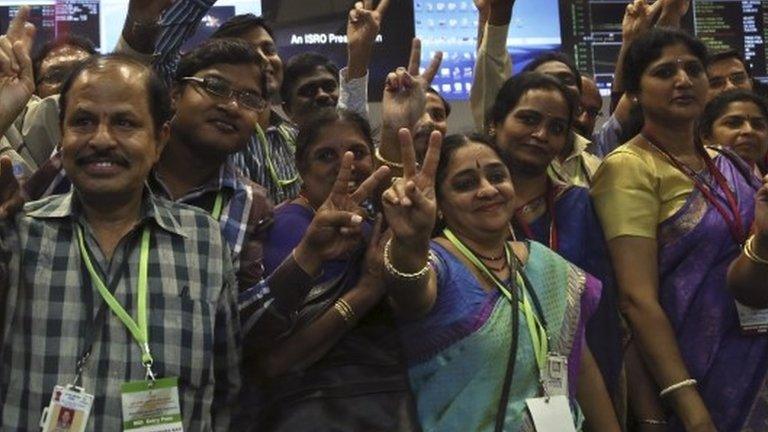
(217, 205)
(732, 218)
(139, 330)
(550, 199)
(267, 155)
(537, 330)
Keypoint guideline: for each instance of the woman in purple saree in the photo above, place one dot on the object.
(675, 215)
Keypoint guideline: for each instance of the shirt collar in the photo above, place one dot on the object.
(580, 145)
(66, 206)
(227, 178)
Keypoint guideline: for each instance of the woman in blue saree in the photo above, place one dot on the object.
(560, 216)
(483, 320)
(675, 214)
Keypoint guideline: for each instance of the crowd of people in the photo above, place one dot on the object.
(222, 240)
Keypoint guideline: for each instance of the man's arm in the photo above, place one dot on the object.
(493, 65)
(363, 26)
(227, 353)
(146, 33)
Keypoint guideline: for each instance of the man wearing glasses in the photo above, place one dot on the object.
(726, 71)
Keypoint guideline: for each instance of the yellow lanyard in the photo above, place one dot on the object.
(268, 158)
(536, 330)
(138, 328)
(217, 205)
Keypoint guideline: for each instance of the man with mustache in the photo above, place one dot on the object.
(110, 284)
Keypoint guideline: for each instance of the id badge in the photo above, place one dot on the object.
(753, 321)
(555, 375)
(152, 406)
(68, 410)
(551, 414)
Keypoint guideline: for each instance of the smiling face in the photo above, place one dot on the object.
(535, 131)
(323, 160)
(744, 128)
(316, 91)
(212, 124)
(674, 87)
(109, 142)
(259, 38)
(476, 195)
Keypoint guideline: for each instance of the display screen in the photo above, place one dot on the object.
(451, 27)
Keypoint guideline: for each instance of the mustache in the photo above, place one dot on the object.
(102, 156)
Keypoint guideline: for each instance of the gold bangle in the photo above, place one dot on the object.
(677, 386)
(387, 162)
(345, 310)
(401, 275)
(749, 251)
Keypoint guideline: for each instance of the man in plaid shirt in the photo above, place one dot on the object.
(114, 114)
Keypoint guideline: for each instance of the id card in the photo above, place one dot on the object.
(551, 414)
(152, 406)
(68, 410)
(753, 321)
(555, 375)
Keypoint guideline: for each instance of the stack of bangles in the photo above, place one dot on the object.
(345, 310)
(402, 275)
(749, 251)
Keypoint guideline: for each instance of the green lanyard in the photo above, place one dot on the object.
(217, 205)
(140, 330)
(267, 154)
(537, 331)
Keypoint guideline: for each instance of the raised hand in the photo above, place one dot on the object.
(638, 18)
(363, 26)
(11, 199)
(17, 83)
(409, 204)
(404, 92)
(141, 27)
(336, 228)
(672, 11)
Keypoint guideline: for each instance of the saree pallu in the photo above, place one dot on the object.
(457, 353)
(581, 241)
(695, 249)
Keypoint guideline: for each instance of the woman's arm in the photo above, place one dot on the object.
(593, 397)
(635, 263)
(748, 276)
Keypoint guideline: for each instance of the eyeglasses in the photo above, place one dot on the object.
(736, 78)
(221, 88)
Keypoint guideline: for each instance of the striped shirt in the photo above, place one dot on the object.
(194, 333)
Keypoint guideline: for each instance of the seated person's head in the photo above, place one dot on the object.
(256, 31)
(531, 120)
(664, 72)
(727, 71)
(114, 123)
(590, 105)
(322, 141)
(558, 65)
(55, 61)
(311, 84)
(473, 187)
(435, 118)
(219, 90)
(737, 119)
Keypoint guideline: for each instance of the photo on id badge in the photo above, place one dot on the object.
(67, 412)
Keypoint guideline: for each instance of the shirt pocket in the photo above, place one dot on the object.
(182, 340)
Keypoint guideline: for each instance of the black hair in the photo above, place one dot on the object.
(554, 56)
(514, 88)
(309, 131)
(239, 25)
(158, 97)
(75, 41)
(647, 49)
(727, 55)
(446, 105)
(220, 51)
(302, 65)
(717, 106)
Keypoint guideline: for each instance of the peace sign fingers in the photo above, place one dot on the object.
(432, 158)
(367, 188)
(407, 153)
(341, 186)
